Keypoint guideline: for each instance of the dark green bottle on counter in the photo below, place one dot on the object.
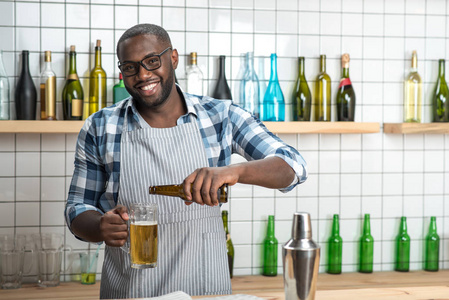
(229, 245)
(432, 253)
(335, 248)
(402, 248)
(270, 250)
(366, 256)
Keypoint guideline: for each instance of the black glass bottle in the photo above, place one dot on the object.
(25, 94)
(222, 90)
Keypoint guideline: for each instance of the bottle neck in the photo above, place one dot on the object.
(250, 62)
(323, 63)
(433, 225)
(225, 222)
(403, 228)
(222, 67)
(47, 66)
(274, 73)
(367, 225)
(72, 63)
(441, 68)
(345, 73)
(414, 63)
(25, 63)
(301, 67)
(97, 56)
(336, 226)
(270, 227)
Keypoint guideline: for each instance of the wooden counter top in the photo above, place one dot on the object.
(380, 285)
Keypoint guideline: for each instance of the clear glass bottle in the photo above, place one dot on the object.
(48, 90)
(345, 93)
(119, 91)
(335, 248)
(413, 93)
(4, 91)
(97, 83)
(270, 250)
(440, 95)
(302, 98)
(249, 87)
(366, 255)
(262, 83)
(25, 95)
(194, 76)
(273, 100)
(176, 190)
(322, 103)
(221, 90)
(432, 254)
(229, 245)
(237, 82)
(72, 94)
(402, 248)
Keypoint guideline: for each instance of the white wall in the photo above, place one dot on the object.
(386, 175)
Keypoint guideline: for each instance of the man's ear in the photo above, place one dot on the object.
(174, 58)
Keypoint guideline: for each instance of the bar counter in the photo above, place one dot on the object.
(379, 285)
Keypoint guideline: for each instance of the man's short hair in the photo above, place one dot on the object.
(142, 29)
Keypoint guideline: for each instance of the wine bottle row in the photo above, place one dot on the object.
(72, 98)
(366, 248)
(268, 103)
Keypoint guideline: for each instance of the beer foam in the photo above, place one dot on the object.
(145, 223)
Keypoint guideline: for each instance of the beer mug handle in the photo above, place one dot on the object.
(125, 247)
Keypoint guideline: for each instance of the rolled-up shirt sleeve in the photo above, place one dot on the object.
(89, 177)
(253, 140)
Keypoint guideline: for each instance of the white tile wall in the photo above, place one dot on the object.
(387, 176)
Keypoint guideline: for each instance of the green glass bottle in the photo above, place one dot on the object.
(335, 247)
(322, 103)
(97, 83)
(402, 248)
(229, 245)
(72, 94)
(440, 95)
(345, 94)
(366, 256)
(119, 91)
(302, 98)
(432, 253)
(270, 250)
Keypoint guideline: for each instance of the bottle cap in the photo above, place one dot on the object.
(72, 48)
(302, 226)
(193, 58)
(47, 56)
(98, 43)
(345, 61)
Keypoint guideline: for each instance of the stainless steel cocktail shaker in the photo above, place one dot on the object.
(301, 259)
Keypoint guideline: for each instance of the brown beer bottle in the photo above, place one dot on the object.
(176, 190)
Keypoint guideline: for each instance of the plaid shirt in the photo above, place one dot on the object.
(225, 129)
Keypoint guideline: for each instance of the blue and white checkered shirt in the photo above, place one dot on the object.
(225, 129)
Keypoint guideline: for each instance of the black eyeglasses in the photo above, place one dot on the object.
(150, 63)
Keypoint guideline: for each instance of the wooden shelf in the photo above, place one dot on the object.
(275, 127)
(40, 126)
(322, 127)
(404, 128)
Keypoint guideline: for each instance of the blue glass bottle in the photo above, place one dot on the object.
(273, 101)
(249, 87)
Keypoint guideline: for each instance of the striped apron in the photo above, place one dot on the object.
(191, 240)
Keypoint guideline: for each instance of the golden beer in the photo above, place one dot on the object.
(143, 244)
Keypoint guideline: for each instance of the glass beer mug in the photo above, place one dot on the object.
(142, 235)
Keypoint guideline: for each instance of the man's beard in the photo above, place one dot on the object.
(166, 90)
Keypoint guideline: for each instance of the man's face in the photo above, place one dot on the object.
(150, 89)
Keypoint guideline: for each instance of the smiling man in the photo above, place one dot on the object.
(161, 135)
